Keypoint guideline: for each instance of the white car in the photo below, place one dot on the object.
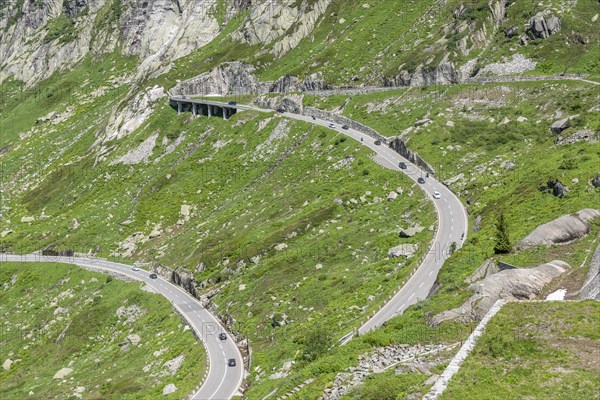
(437, 195)
(135, 269)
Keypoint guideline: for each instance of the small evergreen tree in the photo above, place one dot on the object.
(502, 245)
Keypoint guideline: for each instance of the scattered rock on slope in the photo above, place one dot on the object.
(7, 363)
(557, 188)
(562, 230)
(62, 373)
(170, 388)
(561, 124)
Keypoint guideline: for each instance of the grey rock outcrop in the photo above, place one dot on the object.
(185, 279)
(237, 78)
(444, 73)
(291, 83)
(558, 189)
(488, 268)
(521, 283)
(403, 250)
(581, 135)
(410, 232)
(179, 276)
(543, 24)
(400, 147)
(228, 78)
(293, 103)
(283, 23)
(158, 31)
(561, 230)
(591, 286)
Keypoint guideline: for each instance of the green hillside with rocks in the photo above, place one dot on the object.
(70, 333)
(285, 229)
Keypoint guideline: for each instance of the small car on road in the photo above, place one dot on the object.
(402, 165)
(232, 103)
(345, 127)
(437, 195)
(222, 336)
(378, 142)
(135, 268)
(421, 180)
(153, 276)
(231, 362)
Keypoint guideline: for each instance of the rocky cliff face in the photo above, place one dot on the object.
(442, 74)
(281, 23)
(58, 35)
(47, 30)
(237, 78)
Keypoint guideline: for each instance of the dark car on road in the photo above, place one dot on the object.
(402, 165)
(231, 362)
(378, 142)
(345, 127)
(421, 180)
(281, 110)
(222, 336)
(153, 276)
(232, 103)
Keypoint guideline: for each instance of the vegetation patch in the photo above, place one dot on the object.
(69, 332)
(534, 350)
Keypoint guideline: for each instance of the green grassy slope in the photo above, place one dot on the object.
(58, 316)
(538, 351)
(255, 184)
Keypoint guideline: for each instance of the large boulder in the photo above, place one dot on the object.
(404, 250)
(543, 24)
(519, 283)
(170, 388)
(562, 230)
(560, 125)
(556, 187)
(62, 373)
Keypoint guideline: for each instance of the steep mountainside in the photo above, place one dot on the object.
(284, 228)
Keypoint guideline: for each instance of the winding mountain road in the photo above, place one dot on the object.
(452, 224)
(222, 381)
(452, 217)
